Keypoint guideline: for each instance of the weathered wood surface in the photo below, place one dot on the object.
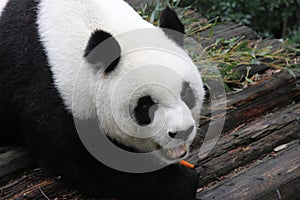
(226, 30)
(34, 185)
(251, 142)
(13, 159)
(268, 179)
(281, 90)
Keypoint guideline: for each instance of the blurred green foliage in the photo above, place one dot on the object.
(269, 18)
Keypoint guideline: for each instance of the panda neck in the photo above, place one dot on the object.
(124, 147)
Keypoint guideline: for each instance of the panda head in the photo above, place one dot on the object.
(147, 99)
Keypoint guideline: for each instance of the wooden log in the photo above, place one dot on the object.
(34, 185)
(281, 90)
(226, 30)
(268, 179)
(242, 70)
(13, 159)
(248, 144)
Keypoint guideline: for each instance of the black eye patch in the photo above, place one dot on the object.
(144, 111)
(187, 95)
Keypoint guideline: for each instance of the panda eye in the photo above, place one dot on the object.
(187, 95)
(144, 111)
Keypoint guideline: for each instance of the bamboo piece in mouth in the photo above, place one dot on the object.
(187, 164)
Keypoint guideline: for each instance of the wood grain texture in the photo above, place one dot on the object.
(276, 93)
(252, 142)
(226, 30)
(268, 179)
(13, 159)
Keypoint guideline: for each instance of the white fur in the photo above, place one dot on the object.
(65, 28)
(2, 5)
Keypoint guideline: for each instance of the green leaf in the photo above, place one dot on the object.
(242, 45)
(255, 62)
(291, 72)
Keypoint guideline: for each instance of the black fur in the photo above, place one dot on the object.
(172, 25)
(31, 106)
(104, 49)
(144, 110)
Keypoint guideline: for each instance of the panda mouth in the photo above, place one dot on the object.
(176, 152)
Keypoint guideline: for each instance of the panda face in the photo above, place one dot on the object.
(154, 101)
(180, 126)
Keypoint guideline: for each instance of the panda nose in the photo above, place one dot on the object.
(182, 134)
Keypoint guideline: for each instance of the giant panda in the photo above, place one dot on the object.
(43, 46)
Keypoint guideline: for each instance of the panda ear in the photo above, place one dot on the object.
(103, 50)
(172, 25)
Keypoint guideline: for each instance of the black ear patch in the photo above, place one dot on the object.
(172, 25)
(103, 49)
